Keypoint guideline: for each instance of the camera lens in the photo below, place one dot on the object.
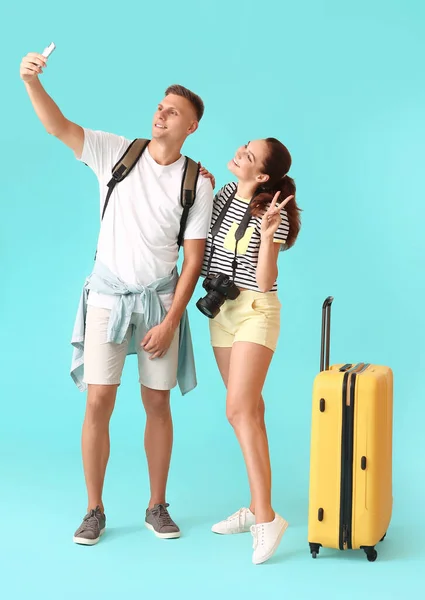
(210, 305)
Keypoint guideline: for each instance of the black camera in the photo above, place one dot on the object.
(220, 288)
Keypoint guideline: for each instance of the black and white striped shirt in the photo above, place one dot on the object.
(248, 246)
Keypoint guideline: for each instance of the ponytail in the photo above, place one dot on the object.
(264, 196)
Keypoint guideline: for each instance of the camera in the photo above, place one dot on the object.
(219, 287)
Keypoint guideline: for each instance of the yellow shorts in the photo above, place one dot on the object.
(252, 317)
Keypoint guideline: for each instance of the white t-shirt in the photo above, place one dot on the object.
(138, 234)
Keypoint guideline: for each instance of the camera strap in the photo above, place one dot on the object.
(240, 232)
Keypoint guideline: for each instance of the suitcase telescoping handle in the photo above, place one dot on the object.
(326, 334)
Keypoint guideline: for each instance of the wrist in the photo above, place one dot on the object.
(170, 322)
(266, 238)
(32, 83)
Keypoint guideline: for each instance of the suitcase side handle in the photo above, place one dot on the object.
(326, 334)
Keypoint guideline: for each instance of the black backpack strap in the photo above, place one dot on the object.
(188, 194)
(189, 181)
(123, 167)
(125, 164)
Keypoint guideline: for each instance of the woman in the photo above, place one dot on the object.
(244, 333)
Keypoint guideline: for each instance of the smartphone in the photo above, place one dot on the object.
(47, 51)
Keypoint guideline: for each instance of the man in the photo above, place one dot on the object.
(135, 263)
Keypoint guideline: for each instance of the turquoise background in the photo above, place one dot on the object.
(341, 84)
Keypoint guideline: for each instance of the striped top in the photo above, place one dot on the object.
(249, 245)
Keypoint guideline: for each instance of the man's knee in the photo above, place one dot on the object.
(100, 401)
(156, 403)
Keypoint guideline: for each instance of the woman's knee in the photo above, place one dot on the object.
(261, 410)
(239, 412)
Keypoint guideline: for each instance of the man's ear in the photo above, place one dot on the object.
(193, 128)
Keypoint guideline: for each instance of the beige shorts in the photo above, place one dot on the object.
(252, 317)
(104, 361)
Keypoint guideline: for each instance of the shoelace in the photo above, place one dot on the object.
(240, 516)
(257, 533)
(90, 520)
(163, 515)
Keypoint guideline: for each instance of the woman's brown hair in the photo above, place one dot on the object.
(276, 166)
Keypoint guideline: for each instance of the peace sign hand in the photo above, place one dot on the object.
(272, 218)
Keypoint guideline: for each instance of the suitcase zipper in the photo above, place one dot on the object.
(343, 529)
(347, 454)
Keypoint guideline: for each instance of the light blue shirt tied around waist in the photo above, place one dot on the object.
(103, 281)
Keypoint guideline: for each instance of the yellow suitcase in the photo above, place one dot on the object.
(350, 495)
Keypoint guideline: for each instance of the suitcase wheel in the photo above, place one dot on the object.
(314, 549)
(383, 538)
(371, 554)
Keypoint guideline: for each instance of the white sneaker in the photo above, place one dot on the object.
(267, 537)
(240, 522)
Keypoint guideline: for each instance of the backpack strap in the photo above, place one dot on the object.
(189, 180)
(188, 194)
(125, 164)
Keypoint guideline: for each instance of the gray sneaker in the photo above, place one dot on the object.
(159, 521)
(92, 527)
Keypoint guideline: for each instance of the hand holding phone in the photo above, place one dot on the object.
(47, 51)
(32, 64)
